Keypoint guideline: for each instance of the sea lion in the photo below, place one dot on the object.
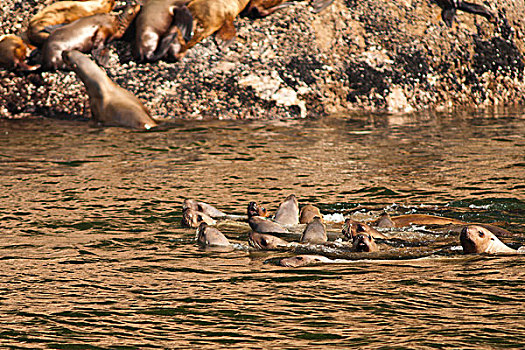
(202, 207)
(352, 228)
(303, 260)
(211, 236)
(449, 8)
(212, 16)
(364, 243)
(288, 212)
(477, 240)
(265, 241)
(158, 25)
(263, 8)
(110, 104)
(262, 225)
(255, 209)
(307, 214)
(315, 232)
(63, 12)
(86, 34)
(14, 52)
(386, 221)
(193, 218)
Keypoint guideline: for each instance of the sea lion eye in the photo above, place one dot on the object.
(369, 237)
(360, 228)
(300, 258)
(481, 234)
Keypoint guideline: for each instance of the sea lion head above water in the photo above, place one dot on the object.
(262, 225)
(265, 241)
(193, 218)
(304, 260)
(255, 209)
(352, 228)
(211, 236)
(477, 240)
(288, 212)
(315, 232)
(364, 243)
(205, 208)
(307, 214)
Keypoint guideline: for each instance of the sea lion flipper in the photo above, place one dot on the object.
(101, 55)
(51, 28)
(477, 10)
(226, 33)
(320, 5)
(183, 19)
(181, 27)
(448, 15)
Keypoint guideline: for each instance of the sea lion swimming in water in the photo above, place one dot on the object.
(262, 225)
(386, 221)
(202, 207)
(211, 236)
(307, 214)
(14, 52)
(158, 25)
(63, 12)
(352, 228)
(288, 212)
(193, 218)
(364, 243)
(315, 232)
(265, 241)
(477, 240)
(86, 34)
(449, 8)
(303, 260)
(110, 104)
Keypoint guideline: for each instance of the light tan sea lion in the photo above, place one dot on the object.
(161, 28)
(386, 221)
(63, 12)
(264, 241)
(288, 212)
(255, 209)
(202, 207)
(86, 34)
(307, 214)
(212, 16)
(304, 260)
(477, 240)
(262, 225)
(364, 243)
(211, 236)
(14, 52)
(315, 232)
(110, 104)
(192, 218)
(352, 228)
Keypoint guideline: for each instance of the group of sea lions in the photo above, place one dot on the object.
(309, 226)
(163, 29)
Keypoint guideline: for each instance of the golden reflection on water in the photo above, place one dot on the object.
(93, 254)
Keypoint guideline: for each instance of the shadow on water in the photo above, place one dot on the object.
(93, 255)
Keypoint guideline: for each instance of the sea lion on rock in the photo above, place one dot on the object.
(158, 25)
(13, 53)
(211, 236)
(263, 8)
(63, 12)
(265, 241)
(307, 214)
(288, 212)
(449, 8)
(364, 243)
(193, 218)
(303, 260)
(110, 104)
(477, 240)
(315, 232)
(352, 228)
(86, 34)
(255, 209)
(202, 207)
(262, 225)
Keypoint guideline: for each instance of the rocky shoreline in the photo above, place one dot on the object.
(372, 56)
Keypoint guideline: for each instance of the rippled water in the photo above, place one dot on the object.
(93, 256)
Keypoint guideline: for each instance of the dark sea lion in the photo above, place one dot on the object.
(193, 218)
(262, 225)
(304, 260)
(86, 34)
(14, 52)
(449, 8)
(202, 207)
(477, 240)
(364, 243)
(307, 214)
(255, 209)
(212, 16)
(63, 12)
(158, 25)
(110, 104)
(386, 221)
(352, 228)
(265, 241)
(315, 232)
(211, 236)
(288, 212)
